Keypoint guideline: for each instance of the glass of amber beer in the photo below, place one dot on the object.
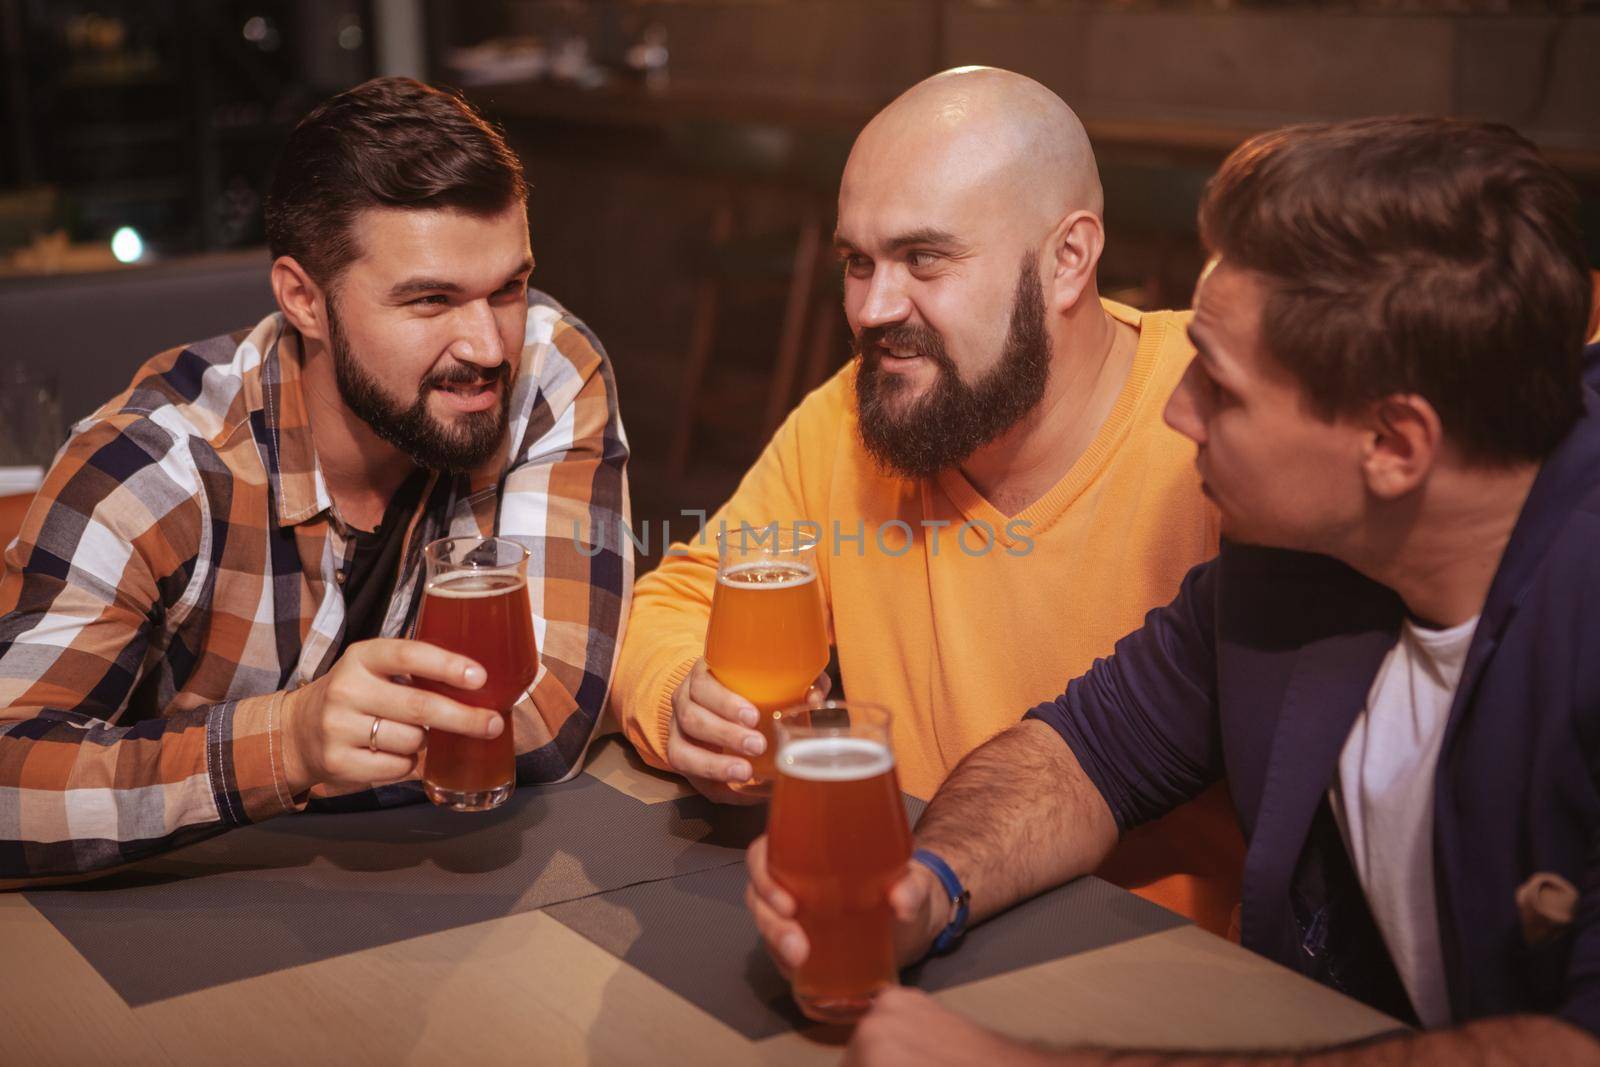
(767, 640)
(475, 602)
(837, 840)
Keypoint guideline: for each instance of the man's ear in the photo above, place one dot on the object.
(1404, 439)
(1074, 254)
(300, 298)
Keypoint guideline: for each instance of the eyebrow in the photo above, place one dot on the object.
(926, 235)
(417, 286)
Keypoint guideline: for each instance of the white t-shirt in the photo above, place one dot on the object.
(1383, 802)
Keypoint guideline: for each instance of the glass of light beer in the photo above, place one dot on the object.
(767, 640)
(837, 839)
(475, 602)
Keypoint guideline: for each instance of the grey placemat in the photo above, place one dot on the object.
(307, 887)
(693, 935)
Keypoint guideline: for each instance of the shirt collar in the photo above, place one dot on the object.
(279, 403)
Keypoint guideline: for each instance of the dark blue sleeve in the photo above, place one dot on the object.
(1143, 722)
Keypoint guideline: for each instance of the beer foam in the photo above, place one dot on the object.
(767, 574)
(834, 759)
(470, 586)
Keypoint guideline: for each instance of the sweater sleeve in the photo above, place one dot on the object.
(666, 631)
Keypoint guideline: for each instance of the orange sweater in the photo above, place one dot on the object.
(957, 639)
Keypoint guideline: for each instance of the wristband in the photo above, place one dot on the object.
(960, 899)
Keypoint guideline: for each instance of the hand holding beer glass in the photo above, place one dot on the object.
(767, 640)
(837, 839)
(475, 602)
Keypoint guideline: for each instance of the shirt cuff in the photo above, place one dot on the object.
(674, 679)
(245, 760)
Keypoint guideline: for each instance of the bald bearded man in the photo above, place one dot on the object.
(997, 497)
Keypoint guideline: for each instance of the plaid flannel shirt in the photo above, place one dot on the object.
(178, 573)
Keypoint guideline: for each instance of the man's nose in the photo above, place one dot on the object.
(886, 301)
(479, 339)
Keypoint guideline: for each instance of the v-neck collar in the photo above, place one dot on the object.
(1039, 515)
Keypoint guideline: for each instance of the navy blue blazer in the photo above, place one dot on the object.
(1257, 672)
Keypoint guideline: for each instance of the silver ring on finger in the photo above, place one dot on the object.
(372, 737)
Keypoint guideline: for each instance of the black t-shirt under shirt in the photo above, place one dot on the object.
(374, 565)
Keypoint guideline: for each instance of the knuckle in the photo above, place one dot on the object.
(711, 693)
(403, 739)
(423, 704)
(414, 658)
(342, 690)
(453, 717)
(415, 705)
(379, 653)
(411, 656)
(698, 723)
(687, 759)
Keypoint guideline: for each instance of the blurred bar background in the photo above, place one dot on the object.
(684, 157)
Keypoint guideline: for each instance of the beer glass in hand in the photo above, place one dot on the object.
(475, 602)
(767, 640)
(837, 840)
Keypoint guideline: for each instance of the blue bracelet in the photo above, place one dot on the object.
(960, 899)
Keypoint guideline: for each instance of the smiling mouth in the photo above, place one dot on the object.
(470, 396)
(466, 388)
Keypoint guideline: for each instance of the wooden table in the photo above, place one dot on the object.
(526, 989)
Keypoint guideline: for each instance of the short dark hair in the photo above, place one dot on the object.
(1433, 256)
(389, 142)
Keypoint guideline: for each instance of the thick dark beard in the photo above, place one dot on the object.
(429, 443)
(954, 419)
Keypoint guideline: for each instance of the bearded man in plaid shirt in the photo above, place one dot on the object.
(204, 617)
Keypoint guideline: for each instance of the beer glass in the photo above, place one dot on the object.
(767, 640)
(837, 840)
(475, 602)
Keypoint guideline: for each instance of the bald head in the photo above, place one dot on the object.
(969, 234)
(988, 132)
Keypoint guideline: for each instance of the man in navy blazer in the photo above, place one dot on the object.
(1395, 660)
